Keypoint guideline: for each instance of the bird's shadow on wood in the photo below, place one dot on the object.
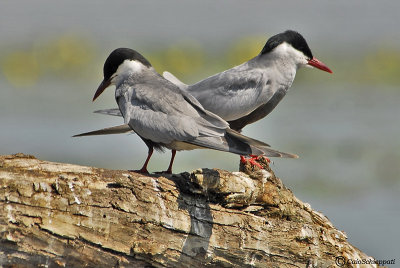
(201, 219)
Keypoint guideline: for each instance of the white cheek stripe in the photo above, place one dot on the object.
(285, 50)
(129, 66)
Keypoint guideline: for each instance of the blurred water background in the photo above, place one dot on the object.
(344, 126)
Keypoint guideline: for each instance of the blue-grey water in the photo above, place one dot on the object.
(344, 126)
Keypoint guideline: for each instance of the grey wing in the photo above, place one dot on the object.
(160, 127)
(259, 113)
(234, 93)
(172, 78)
(161, 112)
(107, 131)
(241, 146)
(211, 120)
(177, 96)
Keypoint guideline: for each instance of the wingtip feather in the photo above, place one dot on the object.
(106, 131)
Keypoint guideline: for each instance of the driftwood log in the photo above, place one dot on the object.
(63, 215)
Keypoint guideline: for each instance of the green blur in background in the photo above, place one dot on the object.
(77, 56)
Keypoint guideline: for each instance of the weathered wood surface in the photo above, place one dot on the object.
(63, 215)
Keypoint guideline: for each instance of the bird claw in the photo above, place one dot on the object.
(252, 161)
(261, 156)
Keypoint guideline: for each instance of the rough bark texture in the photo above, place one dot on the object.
(63, 215)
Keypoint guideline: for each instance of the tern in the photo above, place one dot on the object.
(249, 92)
(165, 116)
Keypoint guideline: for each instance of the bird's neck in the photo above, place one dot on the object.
(129, 70)
(282, 69)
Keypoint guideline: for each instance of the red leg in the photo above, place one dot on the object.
(256, 157)
(169, 170)
(143, 170)
(252, 161)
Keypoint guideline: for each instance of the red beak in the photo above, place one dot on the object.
(319, 64)
(104, 84)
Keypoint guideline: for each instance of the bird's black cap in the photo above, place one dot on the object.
(291, 37)
(118, 56)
